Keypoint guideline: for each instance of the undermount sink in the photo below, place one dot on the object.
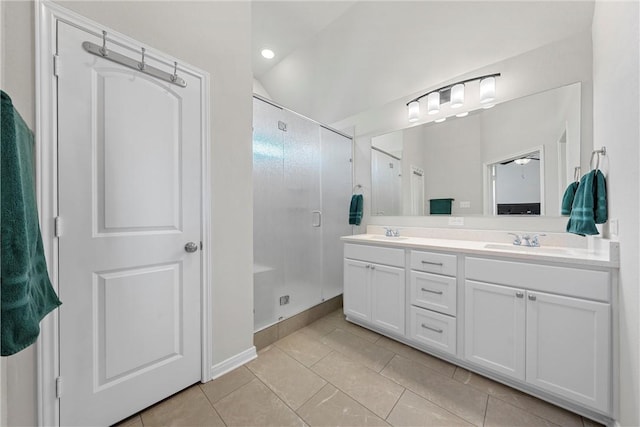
(389, 238)
(530, 249)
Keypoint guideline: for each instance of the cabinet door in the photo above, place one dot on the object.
(495, 328)
(568, 347)
(357, 295)
(387, 297)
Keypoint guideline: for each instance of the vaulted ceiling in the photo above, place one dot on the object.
(335, 59)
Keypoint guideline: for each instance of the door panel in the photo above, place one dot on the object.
(357, 290)
(568, 345)
(135, 118)
(130, 199)
(387, 297)
(495, 327)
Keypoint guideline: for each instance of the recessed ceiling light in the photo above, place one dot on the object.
(268, 53)
(440, 120)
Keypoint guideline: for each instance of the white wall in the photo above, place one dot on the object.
(214, 36)
(616, 95)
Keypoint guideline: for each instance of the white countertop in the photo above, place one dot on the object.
(606, 256)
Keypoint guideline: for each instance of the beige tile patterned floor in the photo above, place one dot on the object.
(334, 373)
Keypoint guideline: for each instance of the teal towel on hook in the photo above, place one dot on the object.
(26, 292)
(355, 209)
(589, 205)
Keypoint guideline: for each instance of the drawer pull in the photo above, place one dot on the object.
(432, 263)
(532, 297)
(519, 294)
(432, 329)
(432, 291)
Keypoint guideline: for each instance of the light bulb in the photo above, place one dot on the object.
(268, 53)
(457, 95)
(433, 103)
(466, 113)
(440, 120)
(522, 161)
(414, 111)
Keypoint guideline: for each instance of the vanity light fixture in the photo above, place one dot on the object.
(464, 114)
(487, 90)
(414, 111)
(457, 95)
(522, 161)
(453, 93)
(440, 120)
(267, 53)
(433, 103)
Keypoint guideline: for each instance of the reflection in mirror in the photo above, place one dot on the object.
(457, 159)
(515, 185)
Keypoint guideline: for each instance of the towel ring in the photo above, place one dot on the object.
(596, 154)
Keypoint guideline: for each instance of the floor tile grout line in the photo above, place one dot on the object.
(531, 412)
(211, 403)
(281, 400)
(486, 410)
(417, 393)
(404, 390)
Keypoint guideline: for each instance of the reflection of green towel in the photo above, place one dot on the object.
(567, 199)
(355, 209)
(27, 294)
(589, 206)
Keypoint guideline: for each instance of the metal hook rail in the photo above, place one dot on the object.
(597, 154)
(141, 65)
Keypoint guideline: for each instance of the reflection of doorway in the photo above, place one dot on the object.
(516, 184)
(386, 183)
(417, 191)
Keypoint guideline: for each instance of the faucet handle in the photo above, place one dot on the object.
(517, 240)
(534, 239)
(388, 231)
(396, 232)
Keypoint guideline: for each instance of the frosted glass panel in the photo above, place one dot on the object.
(302, 235)
(268, 212)
(336, 197)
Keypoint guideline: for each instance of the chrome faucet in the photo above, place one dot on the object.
(389, 232)
(527, 240)
(518, 240)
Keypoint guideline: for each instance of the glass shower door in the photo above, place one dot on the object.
(302, 220)
(268, 213)
(336, 197)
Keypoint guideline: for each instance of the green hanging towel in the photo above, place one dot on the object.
(26, 292)
(589, 206)
(355, 209)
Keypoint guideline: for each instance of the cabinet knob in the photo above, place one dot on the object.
(532, 297)
(368, 266)
(373, 267)
(519, 294)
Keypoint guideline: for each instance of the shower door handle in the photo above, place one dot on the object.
(317, 218)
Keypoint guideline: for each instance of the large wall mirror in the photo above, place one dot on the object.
(516, 158)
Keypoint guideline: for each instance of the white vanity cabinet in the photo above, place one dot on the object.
(518, 324)
(374, 286)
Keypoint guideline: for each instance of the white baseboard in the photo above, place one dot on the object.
(233, 362)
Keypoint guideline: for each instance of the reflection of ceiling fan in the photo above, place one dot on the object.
(523, 160)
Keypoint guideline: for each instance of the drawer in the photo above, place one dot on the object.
(434, 292)
(433, 330)
(377, 254)
(433, 262)
(576, 282)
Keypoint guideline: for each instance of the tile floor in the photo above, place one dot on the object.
(334, 373)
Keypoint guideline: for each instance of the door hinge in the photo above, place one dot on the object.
(59, 387)
(57, 226)
(201, 246)
(56, 65)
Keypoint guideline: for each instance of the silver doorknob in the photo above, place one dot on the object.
(191, 247)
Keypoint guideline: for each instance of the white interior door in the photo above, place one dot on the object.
(130, 199)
